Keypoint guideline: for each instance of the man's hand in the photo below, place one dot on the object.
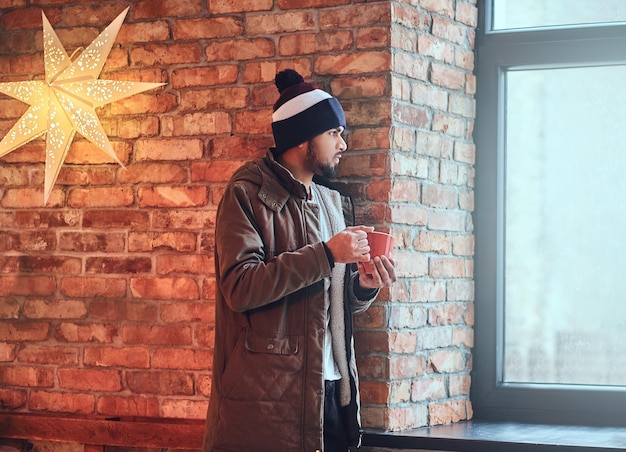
(350, 245)
(384, 273)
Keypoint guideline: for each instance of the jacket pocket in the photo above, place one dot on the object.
(282, 345)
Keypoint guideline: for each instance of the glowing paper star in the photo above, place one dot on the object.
(65, 102)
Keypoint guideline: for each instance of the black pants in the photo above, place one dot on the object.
(335, 438)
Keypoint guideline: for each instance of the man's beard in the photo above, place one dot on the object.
(319, 168)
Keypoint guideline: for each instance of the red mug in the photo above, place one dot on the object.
(380, 244)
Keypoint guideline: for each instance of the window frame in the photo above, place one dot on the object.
(497, 52)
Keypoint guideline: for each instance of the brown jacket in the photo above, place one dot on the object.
(267, 390)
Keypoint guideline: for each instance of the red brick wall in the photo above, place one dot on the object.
(106, 292)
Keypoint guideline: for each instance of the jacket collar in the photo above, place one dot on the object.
(278, 184)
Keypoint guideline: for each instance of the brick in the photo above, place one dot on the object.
(350, 63)
(240, 50)
(214, 123)
(448, 412)
(372, 38)
(439, 196)
(156, 335)
(253, 121)
(406, 418)
(436, 242)
(203, 385)
(11, 177)
(204, 76)
(434, 338)
(9, 308)
(459, 385)
(123, 310)
(46, 219)
(460, 290)
(172, 358)
(235, 6)
(110, 219)
(139, 405)
(16, 331)
(291, 4)
(406, 366)
(371, 366)
(407, 316)
(377, 341)
(7, 352)
(81, 176)
(311, 43)
(447, 77)
(91, 332)
(25, 18)
(427, 95)
(447, 221)
(428, 388)
(146, 104)
(276, 23)
(405, 190)
(215, 171)
(61, 402)
(463, 337)
(55, 309)
(12, 399)
(411, 19)
(90, 380)
(376, 13)
(172, 196)
(161, 383)
(447, 267)
(23, 376)
(374, 391)
(400, 392)
(155, 173)
(185, 219)
(91, 287)
(403, 342)
(89, 242)
(164, 288)
(374, 317)
(165, 54)
(34, 241)
(451, 125)
(208, 28)
(187, 312)
(443, 7)
(211, 100)
(446, 314)
(185, 409)
(83, 152)
(131, 128)
(152, 31)
(149, 241)
(115, 265)
(133, 357)
(172, 149)
(39, 354)
(148, 9)
(175, 263)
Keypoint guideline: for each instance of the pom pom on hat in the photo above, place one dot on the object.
(302, 111)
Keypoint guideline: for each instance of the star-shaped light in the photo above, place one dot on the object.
(65, 102)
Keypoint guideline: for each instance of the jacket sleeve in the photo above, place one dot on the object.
(249, 278)
(360, 299)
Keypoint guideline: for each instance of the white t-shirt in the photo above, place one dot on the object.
(331, 372)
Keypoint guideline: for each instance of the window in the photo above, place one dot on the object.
(550, 216)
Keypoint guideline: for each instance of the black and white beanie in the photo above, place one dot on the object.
(302, 111)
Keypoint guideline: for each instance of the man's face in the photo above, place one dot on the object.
(325, 151)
